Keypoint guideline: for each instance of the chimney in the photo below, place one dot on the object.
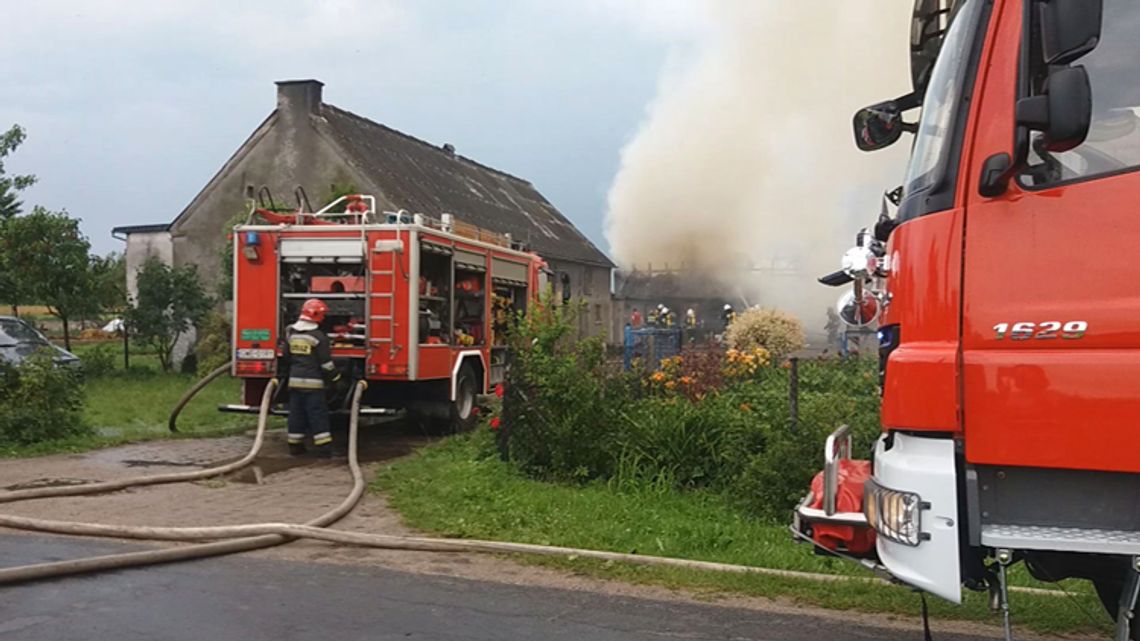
(299, 97)
(448, 149)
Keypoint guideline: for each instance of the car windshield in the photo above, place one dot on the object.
(933, 141)
(15, 332)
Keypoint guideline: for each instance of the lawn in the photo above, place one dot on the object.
(136, 407)
(455, 489)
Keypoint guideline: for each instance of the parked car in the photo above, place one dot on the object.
(18, 340)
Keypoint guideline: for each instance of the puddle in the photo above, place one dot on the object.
(255, 474)
(38, 483)
(152, 463)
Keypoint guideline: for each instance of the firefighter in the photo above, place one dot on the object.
(635, 319)
(666, 317)
(654, 317)
(728, 315)
(310, 367)
(690, 318)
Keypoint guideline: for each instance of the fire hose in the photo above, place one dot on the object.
(192, 392)
(241, 538)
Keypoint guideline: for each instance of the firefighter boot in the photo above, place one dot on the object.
(296, 449)
(323, 451)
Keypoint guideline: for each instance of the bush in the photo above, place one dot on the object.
(213, 349)
(40, 401)
(777, 332)
(705, 420)
(100, 360)
(560, 405)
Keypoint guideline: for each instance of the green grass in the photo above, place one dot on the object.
(124, 409)
(454, 489)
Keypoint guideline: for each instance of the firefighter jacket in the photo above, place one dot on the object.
(310, 359)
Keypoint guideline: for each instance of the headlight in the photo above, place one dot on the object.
(895, 515)
(250, 354)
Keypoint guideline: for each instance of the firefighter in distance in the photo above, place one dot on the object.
(310, 368)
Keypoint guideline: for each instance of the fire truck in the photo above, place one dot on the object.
(418, 306)
(1007, 294)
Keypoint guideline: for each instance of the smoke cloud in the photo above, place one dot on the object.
(746, 154)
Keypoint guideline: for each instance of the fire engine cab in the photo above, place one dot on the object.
(1007, 293)
(418, 306)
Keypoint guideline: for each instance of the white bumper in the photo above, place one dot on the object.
(924, 466)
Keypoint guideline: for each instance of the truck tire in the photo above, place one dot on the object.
(463, 413)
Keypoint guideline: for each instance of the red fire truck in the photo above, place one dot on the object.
(418, 306)
(1007, 292)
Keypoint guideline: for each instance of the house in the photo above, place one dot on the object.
(321, 148)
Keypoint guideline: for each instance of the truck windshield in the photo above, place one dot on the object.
(934, 141)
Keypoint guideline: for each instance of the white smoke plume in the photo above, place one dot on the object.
(746, 153)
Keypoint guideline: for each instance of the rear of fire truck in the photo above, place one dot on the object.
(1005, 289)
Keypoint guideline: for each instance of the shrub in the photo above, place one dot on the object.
(40, 401)
(704, 420)
(560, 406)
(832, 393)
(777, 332)
(213, 349)
(99, 361)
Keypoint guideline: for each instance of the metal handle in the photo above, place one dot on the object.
(838, 447)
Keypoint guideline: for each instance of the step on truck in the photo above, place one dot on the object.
(1007, 294)
(418, 306)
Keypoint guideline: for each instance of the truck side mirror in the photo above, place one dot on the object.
(1063, 113)
(878, 126)
(1069, 29)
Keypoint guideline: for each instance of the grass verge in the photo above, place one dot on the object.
(455, 489)
(125, 409)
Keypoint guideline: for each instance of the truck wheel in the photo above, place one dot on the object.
(463, 415)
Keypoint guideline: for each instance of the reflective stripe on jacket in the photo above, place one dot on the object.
(310, 358)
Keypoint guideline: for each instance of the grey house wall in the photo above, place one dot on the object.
(589, 284)
(283, 153)
(140, 247)
(288, 150)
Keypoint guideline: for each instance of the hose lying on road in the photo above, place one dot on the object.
(192, 392)
(156, 479)
(153, 557)
(263, 535)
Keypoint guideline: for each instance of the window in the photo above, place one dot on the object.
(939, 128)
(1113, 143)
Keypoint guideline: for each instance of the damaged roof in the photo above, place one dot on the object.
(419, 177)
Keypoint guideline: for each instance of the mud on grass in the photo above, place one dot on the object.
(457, 488)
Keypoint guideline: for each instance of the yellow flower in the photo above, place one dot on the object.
(670, 384)
(687, 380)
(657, 377)
(745, 407)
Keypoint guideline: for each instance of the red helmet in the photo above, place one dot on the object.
(314, 310)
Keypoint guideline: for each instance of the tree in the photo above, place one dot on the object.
(109, 283)
(170, 301)
(10, 186)
(51, 259)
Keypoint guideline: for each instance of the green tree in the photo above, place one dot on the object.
(51, 257)
(170, 301)
(109, 283)
(10, 186)
(11, 291)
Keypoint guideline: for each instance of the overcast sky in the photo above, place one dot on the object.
(131, 107)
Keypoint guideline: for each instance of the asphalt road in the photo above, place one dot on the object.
(242, 599)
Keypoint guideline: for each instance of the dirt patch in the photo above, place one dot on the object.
(281, 488)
